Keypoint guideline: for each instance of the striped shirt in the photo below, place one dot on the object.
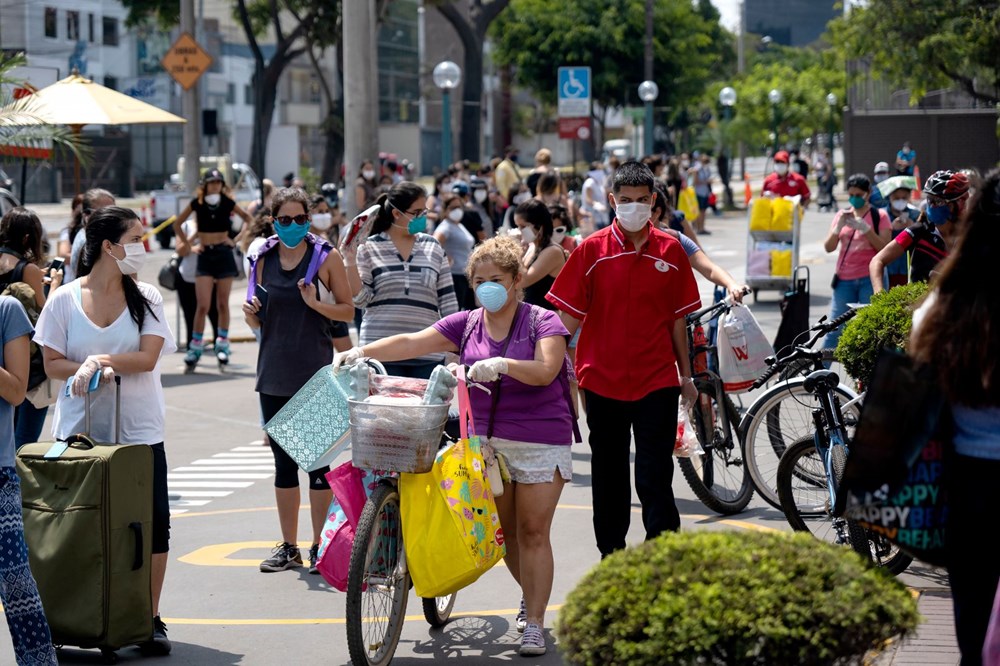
(403, 296)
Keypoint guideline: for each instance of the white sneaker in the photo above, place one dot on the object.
(532, 642)
(521, 621)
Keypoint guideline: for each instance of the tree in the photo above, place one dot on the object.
(925, 45)
(472, 32)
(536, 37)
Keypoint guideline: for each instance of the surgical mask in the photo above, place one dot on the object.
(879, 177)
(368, 174)
(685, 164)
(521, 197)
(633, 216)
(213, 199)
(492, 296)
(293, 234)
(456, 215)
(135, 258)
(528, 234)
(857, 202)
(480, 195)
(939, 215)
(899, 205)
(558, 235)
(781, 168)
(322, 221)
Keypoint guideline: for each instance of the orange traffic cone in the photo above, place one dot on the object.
(145, 227)
(747, 190)
(916, 176)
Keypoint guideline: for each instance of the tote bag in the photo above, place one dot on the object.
(743, 349)
(351, 487)
(451, 529)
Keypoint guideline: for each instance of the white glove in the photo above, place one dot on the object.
(488, 370)
(841, 223)
(349, 357)
(857, 224)
(81, 380)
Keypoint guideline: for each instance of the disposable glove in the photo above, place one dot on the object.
(81, 380)
(349, 357)
(488, 370)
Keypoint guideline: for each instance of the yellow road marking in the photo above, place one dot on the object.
(332, 620)
(221, 554)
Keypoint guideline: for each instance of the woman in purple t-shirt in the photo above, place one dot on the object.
(532, 427)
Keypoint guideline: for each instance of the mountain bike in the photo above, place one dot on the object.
(718, 476)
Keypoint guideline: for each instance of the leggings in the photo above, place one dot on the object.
(286, 470)
(29, 630)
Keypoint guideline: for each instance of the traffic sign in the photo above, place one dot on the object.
(574, 92)
(186, 61)
(574, 128)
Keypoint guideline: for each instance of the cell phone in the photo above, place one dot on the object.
(261, 294)
(57, 264)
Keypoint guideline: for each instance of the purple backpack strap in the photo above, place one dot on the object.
(268, 245)
(321, 250)
(534, 319)
(470, 324)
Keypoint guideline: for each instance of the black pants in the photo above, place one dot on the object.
(653, 419)
(463, 293)
(189, 303)
(973, 568)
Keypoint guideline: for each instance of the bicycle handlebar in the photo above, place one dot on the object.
(821, 329)
(725, 304)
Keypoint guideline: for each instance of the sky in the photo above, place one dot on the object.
(730, 11)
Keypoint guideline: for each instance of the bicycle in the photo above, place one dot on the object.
(718, 476)
(809, 476)
(783, 413)
(378, 582)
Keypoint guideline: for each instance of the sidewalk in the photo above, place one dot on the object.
(934, 640)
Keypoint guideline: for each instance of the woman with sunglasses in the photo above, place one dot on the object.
(401, 276)
(295, 341)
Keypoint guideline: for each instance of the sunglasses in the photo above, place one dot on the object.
(934, 201)
(286, 220)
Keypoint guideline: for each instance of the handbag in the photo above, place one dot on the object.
(451, 529)
(742, 349)
(170, 273)
(351, 488)
(894, 481)
(314, 426)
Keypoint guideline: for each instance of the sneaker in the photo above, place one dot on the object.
(284, 556)
(159, 644)
(532, 642)
(521, 621)
(314, 558)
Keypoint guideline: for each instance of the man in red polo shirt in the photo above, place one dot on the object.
(630, 285)
(785, 183)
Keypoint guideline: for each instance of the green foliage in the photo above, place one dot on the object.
(732, 598)
(884, 323)
(539, 36)
(926, 44)
(164, 13)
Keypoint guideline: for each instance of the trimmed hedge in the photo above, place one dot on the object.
(733, 598)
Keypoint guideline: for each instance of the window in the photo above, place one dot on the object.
(230, 93)
(248, 95)
(72, 25)
(90, 28)
(111, 82)
(51, 17)
(110, 31)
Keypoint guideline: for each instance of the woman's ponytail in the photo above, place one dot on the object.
(384, 217)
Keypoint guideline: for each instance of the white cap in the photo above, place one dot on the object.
(882, 167)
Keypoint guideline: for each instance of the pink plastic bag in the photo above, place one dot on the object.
(351, 487)
(991, 646)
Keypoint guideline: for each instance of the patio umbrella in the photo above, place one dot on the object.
(77, 101)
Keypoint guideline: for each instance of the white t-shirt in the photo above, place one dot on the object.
(64, 327)
(188, 267)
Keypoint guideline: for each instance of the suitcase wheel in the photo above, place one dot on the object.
(109, 656)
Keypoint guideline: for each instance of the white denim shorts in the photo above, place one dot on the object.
(530, 462)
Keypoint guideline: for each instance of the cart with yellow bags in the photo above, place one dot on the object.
(774, 230)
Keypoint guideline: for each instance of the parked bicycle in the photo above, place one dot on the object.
(718, 476)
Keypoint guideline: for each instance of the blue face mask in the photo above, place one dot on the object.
(293, 234)
(858, 202)
(417, 225)
(939, 215)
(492, 296)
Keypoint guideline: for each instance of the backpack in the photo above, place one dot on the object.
(24, 293)
(321, 249)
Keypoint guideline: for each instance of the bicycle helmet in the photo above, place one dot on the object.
(947, 185)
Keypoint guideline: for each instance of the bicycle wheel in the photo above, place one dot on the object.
(438, 610)
(805, 499)
(780, 416)
(378, 582)
(719, 476)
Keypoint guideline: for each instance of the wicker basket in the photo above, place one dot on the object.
(396, 438)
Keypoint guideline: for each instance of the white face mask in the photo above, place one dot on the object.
(213, 199)
(521, 197)
(456, 214)
(480, 195)
(368, 174)
(899, 205)
(879, 177)
(781, 168)
(558, 235)
(527, 234)
(321, 221)
(135, 258)
(633, 216)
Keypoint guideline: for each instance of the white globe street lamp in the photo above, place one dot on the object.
(648, 92)
(447, 75)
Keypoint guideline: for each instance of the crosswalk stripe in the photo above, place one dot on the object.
(234, 468)
(180, 494)
(174, 512)
(245, 454)
(184, 502)
(222, 475)
(228, 461)
(259, 447)
(211, 484)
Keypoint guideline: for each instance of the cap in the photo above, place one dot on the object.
(478, 184)
(213, 175)
(781, 156)
(882, 167)
(460, 188)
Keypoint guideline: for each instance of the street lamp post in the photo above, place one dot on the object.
(447, 76)
(648, 92)
(727, 97)
(775, 98)
(831, 101)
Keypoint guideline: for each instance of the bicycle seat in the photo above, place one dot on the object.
(821, 379)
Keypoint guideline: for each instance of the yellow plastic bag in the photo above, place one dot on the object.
(760, 215)
(782, 214)
(781, 263)
(451, 529)
(687, 203)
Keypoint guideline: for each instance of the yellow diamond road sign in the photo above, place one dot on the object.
(186, 61)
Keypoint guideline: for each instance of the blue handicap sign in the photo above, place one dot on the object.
(574, 82)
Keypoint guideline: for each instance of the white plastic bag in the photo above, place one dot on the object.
(742, 349)
(686, 445)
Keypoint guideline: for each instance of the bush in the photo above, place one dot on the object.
(884, 323)
(732, 598)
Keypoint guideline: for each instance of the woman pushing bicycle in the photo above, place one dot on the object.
(518, 351)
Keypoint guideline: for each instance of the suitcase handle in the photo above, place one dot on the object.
(137, 530)
(83, 441)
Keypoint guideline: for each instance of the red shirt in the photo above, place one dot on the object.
(628, 302)
(789, 185)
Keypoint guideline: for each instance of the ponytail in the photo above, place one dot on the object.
(384, 216)
(400, 196)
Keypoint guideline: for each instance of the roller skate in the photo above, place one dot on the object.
(191, 358)
(222, 353)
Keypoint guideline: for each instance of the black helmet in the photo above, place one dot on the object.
(947, 185)
(331, 193)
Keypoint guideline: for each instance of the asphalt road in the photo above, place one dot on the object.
(221, 611)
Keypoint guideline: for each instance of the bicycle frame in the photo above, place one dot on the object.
(698, 345)
(829, 433)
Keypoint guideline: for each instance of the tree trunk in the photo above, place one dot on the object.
(472, 105)
(267, 95)
(333, 130)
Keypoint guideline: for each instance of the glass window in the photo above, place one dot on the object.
(72, 25)
(110, 31)
(230, 93)
(90, 28)
(248, 95)
(111, 82)
(399, 64)
(51, 17)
